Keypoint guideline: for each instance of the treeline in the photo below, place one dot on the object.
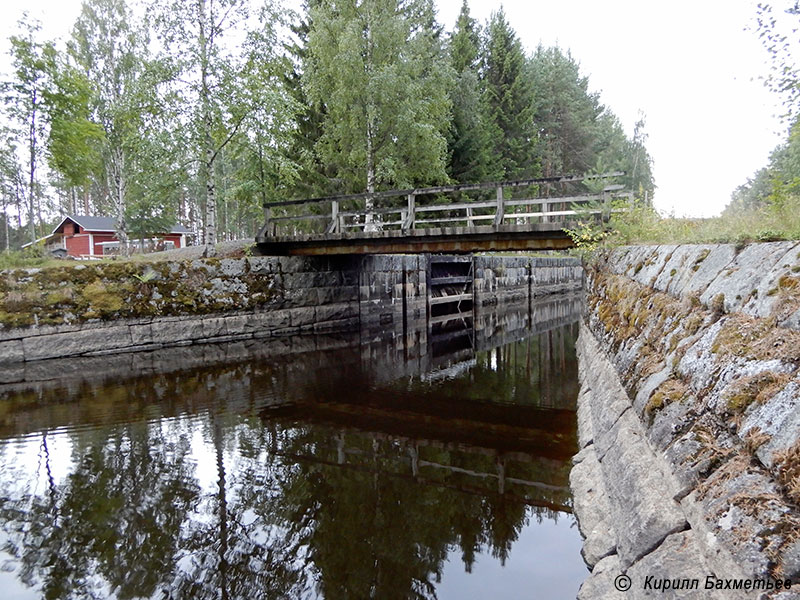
(200, 112)
(777, 185)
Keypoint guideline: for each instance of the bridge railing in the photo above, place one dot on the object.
(428, 207)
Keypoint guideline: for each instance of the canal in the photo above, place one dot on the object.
(421, 463)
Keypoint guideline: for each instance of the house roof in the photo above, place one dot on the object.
(95, 223)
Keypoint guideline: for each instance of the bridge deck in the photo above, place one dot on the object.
(410, 221)
(534, 236)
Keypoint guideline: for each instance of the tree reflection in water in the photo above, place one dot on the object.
(283, 478)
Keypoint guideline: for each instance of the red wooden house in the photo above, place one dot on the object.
(86, 236)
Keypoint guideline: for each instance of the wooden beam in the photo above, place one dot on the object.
(450, 188)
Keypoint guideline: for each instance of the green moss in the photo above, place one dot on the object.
(61, 295)
(672, 272)
(672, 390)
(101, 298)
(754, 388)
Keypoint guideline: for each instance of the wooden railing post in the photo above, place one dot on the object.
(410, 220)
(333, 226)
(499, 212)
(606, 208)
(267, 216)
(545, 209)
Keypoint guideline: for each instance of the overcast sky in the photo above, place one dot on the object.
(690, 66)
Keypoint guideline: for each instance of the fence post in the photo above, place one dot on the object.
(267, 215)
(333, 226)
(408, 222)
(499, 213)
(545, 209)
(606, 207)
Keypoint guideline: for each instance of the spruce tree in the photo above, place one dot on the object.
(510, 100)
(470, 138)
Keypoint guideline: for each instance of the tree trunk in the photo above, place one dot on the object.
(208, 146)
(117, 186)
(32, 164)
(369, 203)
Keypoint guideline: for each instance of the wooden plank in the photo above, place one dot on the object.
(555, 199)
(374, 211)
(450, 280)
(498, 215)
(460, 206)
(467, 314)
(450, 188)
(448, 299)
(300, 218)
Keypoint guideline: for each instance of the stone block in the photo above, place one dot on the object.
(11, 351)
(678, 558)
(233, 267)
(600, 584)
(76, 343)
(262, 265)
(741, 516)
(779, 418)
(171, 332)
(640, 492)
(214, 327)
(13, 372)
(302, 316)
(333, 312)
(652, 263)
(744, 273)
(590, 506)
(768, 297)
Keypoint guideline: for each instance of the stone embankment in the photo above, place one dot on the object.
(689, 421)
(98, 309)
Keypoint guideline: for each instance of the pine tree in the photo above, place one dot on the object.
(566, 113)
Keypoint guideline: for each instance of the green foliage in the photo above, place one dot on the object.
(766, 223)
(377, 69)
(75, 140)
(566, 113)
(510, 99)
(32, 256)
(470, 140)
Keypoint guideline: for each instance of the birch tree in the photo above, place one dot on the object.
(24, 103)
(378, 70)
(110, 50)
(193, 36)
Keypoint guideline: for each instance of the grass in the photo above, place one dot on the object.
(644, 225)
(37, 257)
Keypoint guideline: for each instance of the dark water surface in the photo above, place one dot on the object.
(410, 464)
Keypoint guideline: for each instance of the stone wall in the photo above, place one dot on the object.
(391, 288)
(99, 309)
(688, 417)
(508, 279)
(109, 308)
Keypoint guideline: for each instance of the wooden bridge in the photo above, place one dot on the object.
(441, 219)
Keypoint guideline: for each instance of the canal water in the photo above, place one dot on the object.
(420, 463)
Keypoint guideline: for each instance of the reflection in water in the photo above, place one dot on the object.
(360, 471)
